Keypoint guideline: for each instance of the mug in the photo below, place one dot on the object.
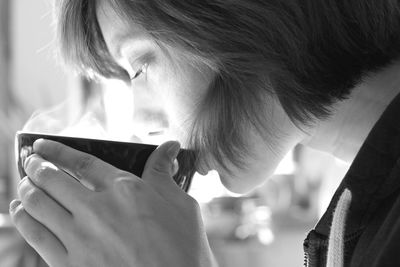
(126, 156)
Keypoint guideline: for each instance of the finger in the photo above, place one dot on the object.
(44, 209)
(38, 236)
(59, 185)
(175, 167)
(85, 167)
(160, 166)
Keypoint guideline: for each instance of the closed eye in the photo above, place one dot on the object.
(142, 70)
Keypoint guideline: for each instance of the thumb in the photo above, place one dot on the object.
(160, 165)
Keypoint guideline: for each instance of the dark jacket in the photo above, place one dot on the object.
(372, 229)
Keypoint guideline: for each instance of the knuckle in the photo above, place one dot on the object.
(192, 202)
(128, 185)
(56, 148)
(160, 168)
(32, 198)
(35, 236)
(18, 214)
(85, 163)
(93, 211)
(43, 174)
(188, 202)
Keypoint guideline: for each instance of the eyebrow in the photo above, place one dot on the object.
(118, 41)
(116, 44)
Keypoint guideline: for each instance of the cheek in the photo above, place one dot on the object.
(180, 109)
(182, 91)
(168, 93)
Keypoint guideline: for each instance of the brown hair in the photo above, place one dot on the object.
(306, 53)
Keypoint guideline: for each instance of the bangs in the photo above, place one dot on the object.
(81, 42)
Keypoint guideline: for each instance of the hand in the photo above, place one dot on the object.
(122, 221)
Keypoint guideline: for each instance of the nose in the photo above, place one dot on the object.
(150, 121)
(150, 117)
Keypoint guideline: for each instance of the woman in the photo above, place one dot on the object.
(243, 81)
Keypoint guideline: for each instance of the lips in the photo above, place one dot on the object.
(151, 122)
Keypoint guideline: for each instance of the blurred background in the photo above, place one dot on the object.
(264, 228)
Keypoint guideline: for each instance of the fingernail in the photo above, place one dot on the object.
(15, 203)
(26, 151)
(23, 180)
(26, 162)
(175, 167)
(173, 150)
(37, 143)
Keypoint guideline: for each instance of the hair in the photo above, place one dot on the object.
(308, 54)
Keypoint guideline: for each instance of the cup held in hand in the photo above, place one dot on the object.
(130, 157)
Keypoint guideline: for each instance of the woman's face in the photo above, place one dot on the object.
(159, 84)
(178, 87)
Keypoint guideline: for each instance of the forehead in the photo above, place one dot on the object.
(115, 28)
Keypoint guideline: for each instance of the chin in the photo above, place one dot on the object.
(238, 180)
(242, 183)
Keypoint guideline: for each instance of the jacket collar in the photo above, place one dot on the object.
(369, 178)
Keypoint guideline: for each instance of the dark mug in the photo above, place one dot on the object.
(130, 157)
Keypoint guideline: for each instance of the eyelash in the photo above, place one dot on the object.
(143, 69)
